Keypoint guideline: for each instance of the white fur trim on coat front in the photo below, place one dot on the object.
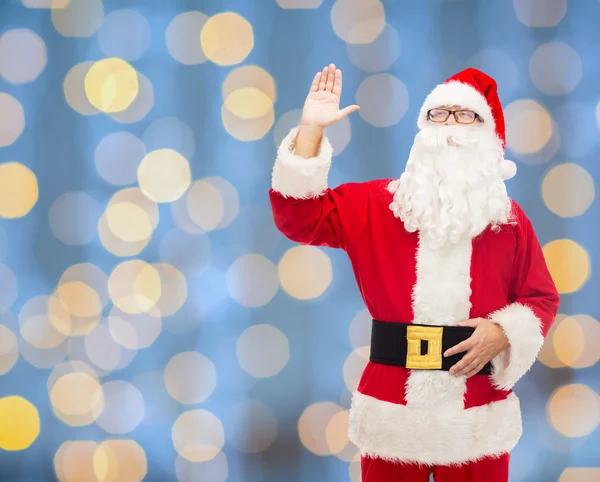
(523, 330)
(446, 436)
(457, 93)
(297, 177)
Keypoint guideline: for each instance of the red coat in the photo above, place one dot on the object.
(431, 417)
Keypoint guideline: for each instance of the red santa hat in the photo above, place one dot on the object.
(476, 91)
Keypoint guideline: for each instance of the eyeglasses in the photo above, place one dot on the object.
(461, 116)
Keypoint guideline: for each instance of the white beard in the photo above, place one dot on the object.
(453, 185)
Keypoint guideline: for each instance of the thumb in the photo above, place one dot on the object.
(347, 111)
(473, 323)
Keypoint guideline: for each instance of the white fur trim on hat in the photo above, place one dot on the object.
(457, 93)
(509, 169)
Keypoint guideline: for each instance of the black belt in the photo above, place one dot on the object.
(418, 347)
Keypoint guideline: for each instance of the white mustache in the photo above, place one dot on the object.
(445, 136)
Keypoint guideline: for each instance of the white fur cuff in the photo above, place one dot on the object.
(296, 177)
(523, 330)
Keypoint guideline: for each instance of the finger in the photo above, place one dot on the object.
(458, 367)
(469, 367)
(461, 347)
(315, 83)
(337, 83)
(474, 323)
(323, 79)
(475, 370)
(330, 78)
(347, 111)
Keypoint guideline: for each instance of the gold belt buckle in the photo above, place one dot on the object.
(415, 335)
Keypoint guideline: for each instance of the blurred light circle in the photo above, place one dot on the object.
(75, 308)
(111, 85)
(568, 263)
(118, 156)
(164, 175)
(125, 34)
(44, 358)
(141, 105)
(22, 56)
(360, 329)
(205, 205)
(247, 130)
(128, 222)
(73, 461)
(312, 426)
(252, 280)
(74, 89)
(215, 470)
(173, 292)
(74, 217)
(580, 474)
(251, 427)
(568, 341)
(499, 65)
(120, 461)
(136, 196)
(91, 275)
(105, 352)
(160, 407)
(358, 21)
(116, 245)
(18, 189)
(8, 292)
(528, 126)
(36, 326)
(354, 366)
(248, 103)
(134, 331)
(9, 350)
(263, 350)
(568, 190)
(299, 3)
(77, 399)
(198, 435)
(305, 272)
(250, 76)
(378, 55)
(79, 18)
(230, 199)
(46, 3)
(540, 13)
(574, 410)
(287, 122)
(183, 38)
(12, 120)
(383, 100)
(190, 377)
(548, 355)
(336, 434)
(555, 68)
(134, 286)
(189, 254)
(66, 368)
(170, 133)
(19, 423)
(339, 135)
(123, 407)
(227, 38)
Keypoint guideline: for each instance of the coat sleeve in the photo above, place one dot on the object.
(304, 209)
(534, 304)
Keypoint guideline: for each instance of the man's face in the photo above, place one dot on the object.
(453, 115)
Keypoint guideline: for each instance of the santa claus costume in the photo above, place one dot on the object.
(441, 244)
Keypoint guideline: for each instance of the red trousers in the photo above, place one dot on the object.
(484, 470)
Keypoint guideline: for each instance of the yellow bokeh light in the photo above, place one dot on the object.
(528, 126)
(74, 89)
(336, 434)
(111, 85)
(198, 435)
(574, 410)
(305, 272)
(569, 264)
(312, 426)
(252, 280)
(77, 399)
(129, 222)
(249, 76)
(358, 21)
(248, 103)
(120, 461)
(73, 461)
(227, 38)
(89, 274)
(173, 291)
(205, 205)
(78, 18)
(36, 322)
(75, 309)
(190, 377)
(568, 341)
(134, 286)
(140, 107)
(247, 130)
(164, 175)
(580, 474)
(568, 190)
(135, 331)
(9, 350)
(19, 423)
(18, 190)
(572, 341)
(46, 3)
(263, 350)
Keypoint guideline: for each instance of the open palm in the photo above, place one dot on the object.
(322, 106)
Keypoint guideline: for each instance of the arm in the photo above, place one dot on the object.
(528, 318)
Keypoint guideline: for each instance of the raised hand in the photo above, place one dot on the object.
(322, 105)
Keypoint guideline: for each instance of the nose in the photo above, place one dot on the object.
(450, 121)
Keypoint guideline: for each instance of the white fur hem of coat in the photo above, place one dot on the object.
(296, 177)
(434, 436)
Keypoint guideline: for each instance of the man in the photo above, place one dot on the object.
(451, 271)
